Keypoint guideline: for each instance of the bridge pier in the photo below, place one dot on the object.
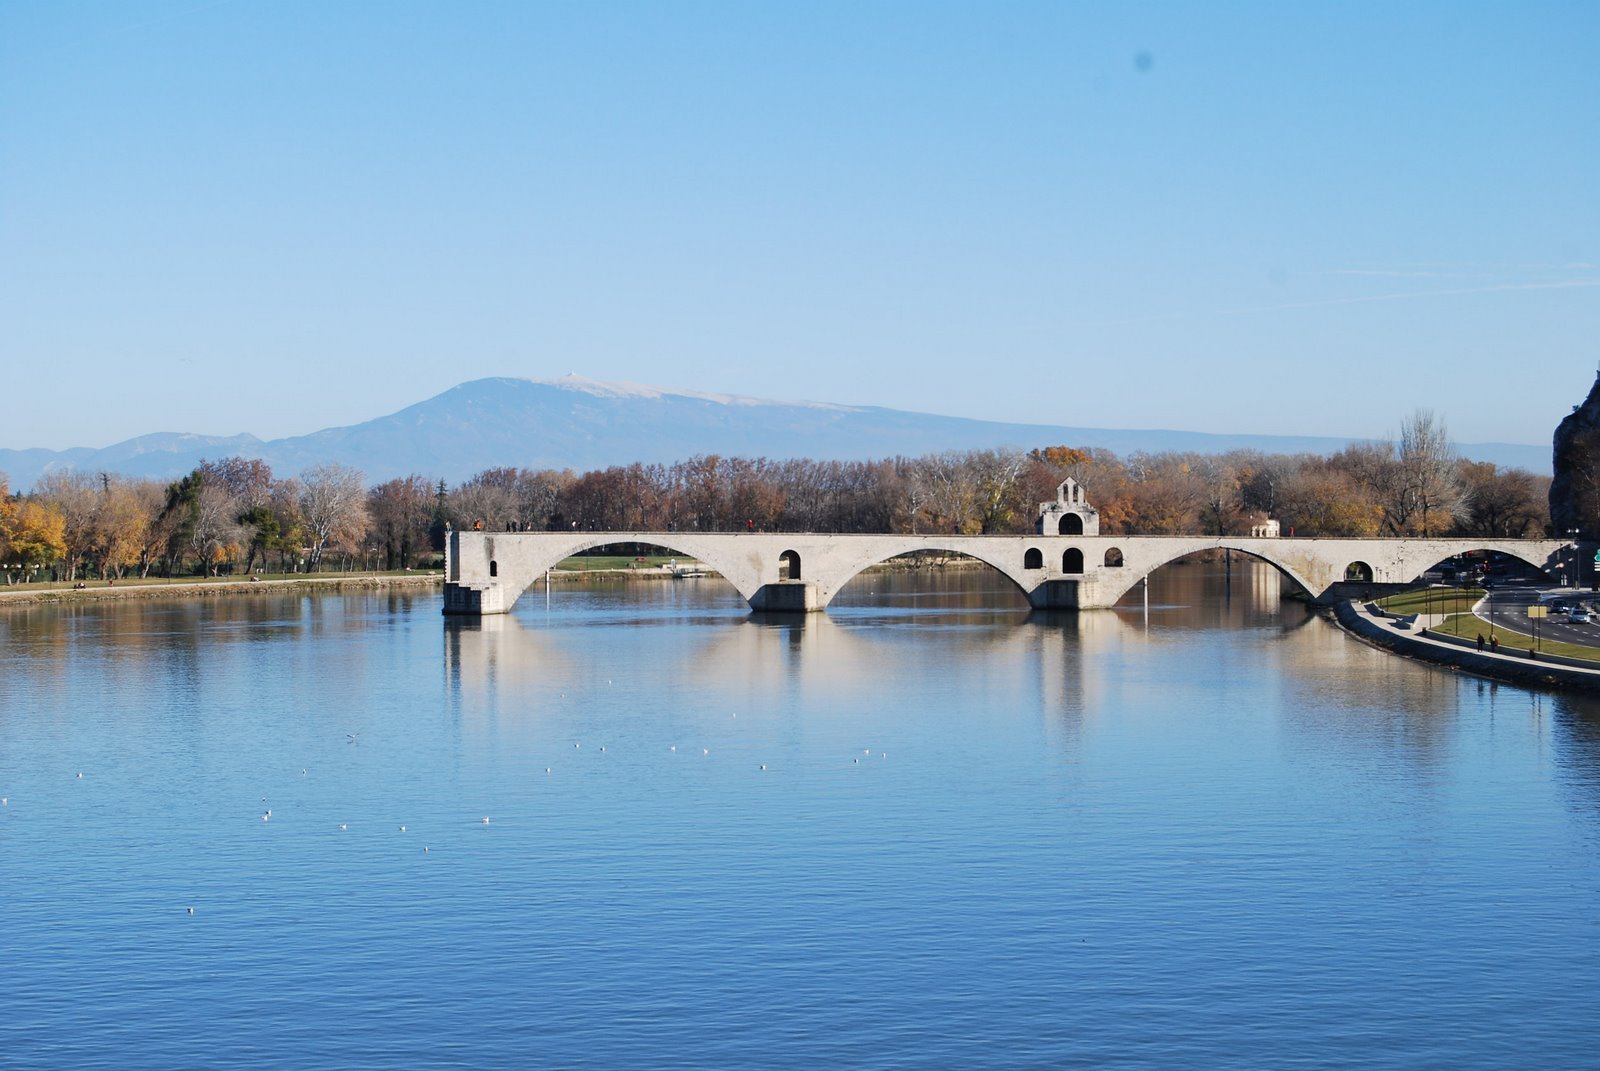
(788, 596)
(463, 601)
(1069, 593)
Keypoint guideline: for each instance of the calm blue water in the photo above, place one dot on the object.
(1221, 836)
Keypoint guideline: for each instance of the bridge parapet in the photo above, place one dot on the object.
(486, 572)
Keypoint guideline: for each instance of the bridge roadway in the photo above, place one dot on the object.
(485, 572)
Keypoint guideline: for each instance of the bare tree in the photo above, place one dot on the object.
(400, 510)
(334, 504)
(1430, 473)
(75, 496)
(944, 492)
(489, 499)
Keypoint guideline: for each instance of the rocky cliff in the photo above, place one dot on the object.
(1575, 490)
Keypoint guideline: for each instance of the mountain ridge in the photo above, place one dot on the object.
(580, 423)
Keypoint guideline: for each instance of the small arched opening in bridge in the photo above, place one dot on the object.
(1033, 558)
(1114, 558)
(494, 567)
(1072, 560)
(788, 566)
(1071, 524)
(1358, 573)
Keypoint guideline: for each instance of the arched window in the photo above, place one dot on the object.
(788, 566)
(1071, 524)
(494, 568)
(1113, 558)
(1033, 558)
(1358, 571)
(1072, 561)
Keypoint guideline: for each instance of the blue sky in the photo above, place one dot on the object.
(1272, 218)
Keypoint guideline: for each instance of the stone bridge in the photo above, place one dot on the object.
(485, 572)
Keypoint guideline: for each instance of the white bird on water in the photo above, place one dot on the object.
(485, 819)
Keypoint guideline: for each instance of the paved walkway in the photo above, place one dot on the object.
(1512, 663)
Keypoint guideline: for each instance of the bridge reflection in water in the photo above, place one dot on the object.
(637, 643)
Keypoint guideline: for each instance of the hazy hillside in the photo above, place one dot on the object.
(580, 424)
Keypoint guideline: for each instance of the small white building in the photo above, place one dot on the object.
(1263, 527)
(1070, 513)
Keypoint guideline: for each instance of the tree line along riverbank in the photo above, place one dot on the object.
(234, 515)
(225, 587)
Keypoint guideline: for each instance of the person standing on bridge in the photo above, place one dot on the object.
(1480, 641)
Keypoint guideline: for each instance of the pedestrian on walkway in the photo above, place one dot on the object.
(1494, 644)
(1480, 641)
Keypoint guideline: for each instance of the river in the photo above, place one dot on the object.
(632, 826)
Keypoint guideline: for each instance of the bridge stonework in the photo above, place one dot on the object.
(486, 572)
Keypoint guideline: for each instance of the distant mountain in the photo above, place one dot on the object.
(580, 424)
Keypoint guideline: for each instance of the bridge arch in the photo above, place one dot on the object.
(789, 565)
(518, 564)
(848, 573)
(1071, 525)
(1139, 562)
(1113, 558)
(1033, 558)
(1490, 548)
(1072, 561)
(1358, 572)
